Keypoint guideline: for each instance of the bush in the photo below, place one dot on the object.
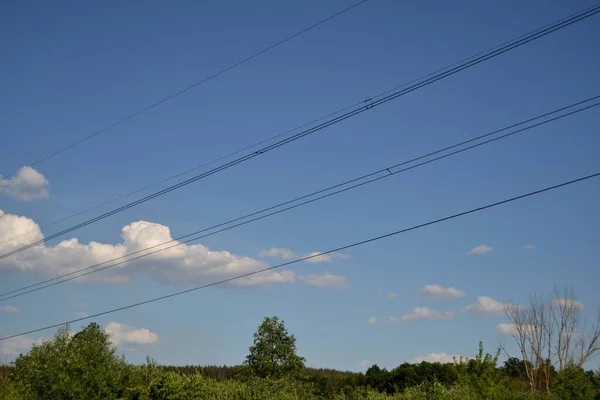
(573, 384)
(83, 366)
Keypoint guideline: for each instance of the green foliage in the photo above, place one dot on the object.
(5, 372)
(480, 373)
(573, 384)
(327, 383)
(218, 372)
(273, 354)
(515, 368)
(379, 379)
(151, 382)
(408, 375)
(437, 391)
(83, 366)
(594, 377)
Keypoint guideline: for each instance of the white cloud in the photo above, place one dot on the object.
(285, 254)
(529, 246)
(81, 315)
(486, 305)
(391, 295)
(423, 313)
(27, 184)
(10, 309)
(506, 329)
(119, 334)
(125, 334)
(442, 358)
(511, 329)
(324, 258)
(567, 303)
(181, 265)
(365, 363)
(325, 280)
(480, 250)
(372, 321)
(439, 293)
(14, 346)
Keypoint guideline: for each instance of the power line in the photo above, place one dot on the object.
(524, 40)
(269, 139)
(192, 86)
(378, 175)
(345, 247)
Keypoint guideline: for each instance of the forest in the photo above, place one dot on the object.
(85, 365)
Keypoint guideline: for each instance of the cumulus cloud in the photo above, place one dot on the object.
(391, 295)
(442, 358)
(119, 334)
(372, 321)
(27, 184)
(287, 254)
(10, 310)
(529, 246)
(279, 252)
(512, 329)
(125, 334)
(423, 313)
(480, 250)
(14, 346)
(325, 280)
(486, 305)
(506, 329)
(440, 293)
(181, 265)
(325, 258)
(567, 303)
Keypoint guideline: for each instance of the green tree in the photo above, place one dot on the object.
(480, 373)
(379, 379)
(573, 384)
(273, 353)
(83, 366)
(594, 377)
(515, 368)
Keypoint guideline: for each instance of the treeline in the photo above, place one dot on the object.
(86, 366)
(510, 377)
(224, 372)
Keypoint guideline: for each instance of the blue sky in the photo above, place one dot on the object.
(73, 68)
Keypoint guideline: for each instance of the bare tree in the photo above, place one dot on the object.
(550, 333)
(520, 331)
(577, 340)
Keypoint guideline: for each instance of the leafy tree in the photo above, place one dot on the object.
(594, 378)
(68, 367)
(273, 353)
(5, 371)
(379, 379)
(408, 375)
(515, 368)
(480, 373)
(573, 384)
(405, 375)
